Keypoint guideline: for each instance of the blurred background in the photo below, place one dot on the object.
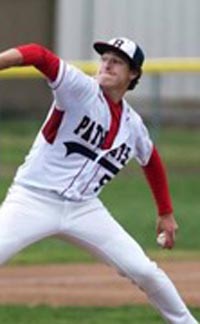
(169, 101)
(70, 28)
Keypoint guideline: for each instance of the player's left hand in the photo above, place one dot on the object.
(167, 224)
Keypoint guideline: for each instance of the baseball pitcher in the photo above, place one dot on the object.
(89, 135)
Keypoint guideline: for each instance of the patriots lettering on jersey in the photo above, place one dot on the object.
(91, 131)
(121, 154)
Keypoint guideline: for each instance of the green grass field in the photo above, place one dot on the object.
(84, 315)
(133, 208)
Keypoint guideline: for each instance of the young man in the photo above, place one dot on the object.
(90, 133)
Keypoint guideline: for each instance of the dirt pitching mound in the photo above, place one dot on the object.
(88, 284)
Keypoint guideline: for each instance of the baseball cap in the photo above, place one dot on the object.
(123, 46)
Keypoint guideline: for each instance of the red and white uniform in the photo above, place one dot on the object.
(68, 151)
(85, 141)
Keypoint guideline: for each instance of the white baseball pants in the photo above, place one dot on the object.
(27, 216)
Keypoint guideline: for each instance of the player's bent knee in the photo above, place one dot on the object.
(147, 275)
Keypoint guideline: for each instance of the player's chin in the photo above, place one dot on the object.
(106, 82)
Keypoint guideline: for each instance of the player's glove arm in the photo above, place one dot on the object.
(10, 58)
(43, 59)
(31, 54)
(156, 175)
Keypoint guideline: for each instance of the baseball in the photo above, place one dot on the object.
(161, 239)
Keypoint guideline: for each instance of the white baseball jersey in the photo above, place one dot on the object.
(67, 155)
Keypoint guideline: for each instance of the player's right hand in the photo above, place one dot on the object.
(167, 224)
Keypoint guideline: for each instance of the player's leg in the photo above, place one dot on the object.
(91, 226)
(25, 218)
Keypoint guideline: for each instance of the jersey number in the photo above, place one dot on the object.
(106, 178)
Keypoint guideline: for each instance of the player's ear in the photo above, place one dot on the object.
(133, 75)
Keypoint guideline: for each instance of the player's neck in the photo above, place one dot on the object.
(114, 95)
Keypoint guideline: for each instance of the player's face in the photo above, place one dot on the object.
(114, 72)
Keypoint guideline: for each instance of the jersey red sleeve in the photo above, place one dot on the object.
(156, 175)
(43, 59)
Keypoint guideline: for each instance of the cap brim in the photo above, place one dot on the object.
(102, 47)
